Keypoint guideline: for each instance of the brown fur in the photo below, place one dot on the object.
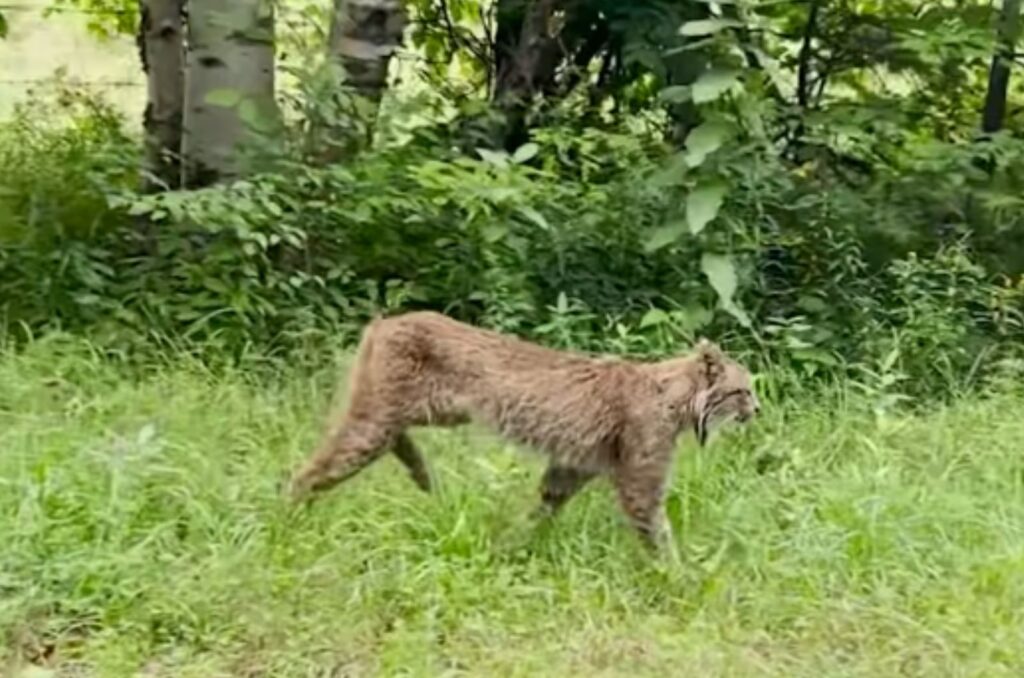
(590, 416)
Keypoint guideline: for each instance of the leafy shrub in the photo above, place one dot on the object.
(62, 152)
(594, 238)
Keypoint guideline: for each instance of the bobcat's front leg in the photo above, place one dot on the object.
(559, 485)
(641, 479)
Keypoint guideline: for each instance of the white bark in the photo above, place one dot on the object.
(161, 48)
(364, 35)
(229, 86)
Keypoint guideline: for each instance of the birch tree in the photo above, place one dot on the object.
(229, 86)
(160, 40)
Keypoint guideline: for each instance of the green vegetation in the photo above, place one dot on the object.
(143, 529)
(581, 239)
(832, 190)
(806, 182)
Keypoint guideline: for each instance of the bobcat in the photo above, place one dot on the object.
(589, 415)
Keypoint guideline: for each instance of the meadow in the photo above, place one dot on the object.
(144, 533)
(669, 169)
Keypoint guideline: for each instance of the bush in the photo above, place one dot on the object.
(63, 152)
(578, 239)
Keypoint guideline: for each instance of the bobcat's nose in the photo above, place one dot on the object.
(745, 415)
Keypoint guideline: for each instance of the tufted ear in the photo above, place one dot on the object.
(712, 359)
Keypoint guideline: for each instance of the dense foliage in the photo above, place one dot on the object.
(815, 189)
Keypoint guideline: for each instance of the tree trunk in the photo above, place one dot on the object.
(364, 35)
(999, 74)
(229, 87)
(530, 62)
(527, 65)
(509, 26)
(161, 46)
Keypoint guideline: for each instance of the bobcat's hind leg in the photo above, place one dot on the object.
(558, 486)
(346, 452)
(411, 456)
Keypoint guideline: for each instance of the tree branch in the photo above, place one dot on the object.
(806, 52)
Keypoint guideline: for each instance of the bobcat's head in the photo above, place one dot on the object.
(725, 394)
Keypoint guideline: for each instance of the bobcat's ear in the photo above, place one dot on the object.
(712, 360)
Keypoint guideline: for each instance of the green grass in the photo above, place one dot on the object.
(142, 531)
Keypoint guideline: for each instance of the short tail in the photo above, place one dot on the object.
(364, 353)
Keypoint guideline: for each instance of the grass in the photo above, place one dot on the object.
(143, 534)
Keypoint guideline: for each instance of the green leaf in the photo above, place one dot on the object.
(714, 83)
(811, 304)
(770, 66)
(703, 204)
(225, 97)
(139, 208)
(816, 355)
(256, 114)
(705, 139)
(655, 316)
(665, 235)
(692, 318)
(721, 273)
(534, 216)
(3, 26)
(671, 173)
(496, 158)
(493, 232)
(675, 94)
(525, 152)
(707, 26)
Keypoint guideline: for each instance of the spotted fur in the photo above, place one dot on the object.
(590, 416)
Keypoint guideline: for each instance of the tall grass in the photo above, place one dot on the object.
(142, 532)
